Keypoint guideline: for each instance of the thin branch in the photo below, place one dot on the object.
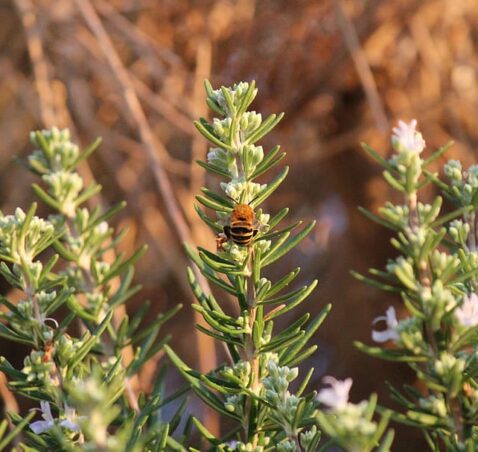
(163, 107)
(27, 15)
(136, 35)
(363, 68)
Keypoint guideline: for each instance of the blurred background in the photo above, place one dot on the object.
(343, 72)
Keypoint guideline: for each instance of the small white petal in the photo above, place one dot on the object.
(405, 136)
(46, 411)
(467, 313)
(384, 336)
(52, 320)
(379, 319)
(391, 332)
(392, 321)
(337, 395)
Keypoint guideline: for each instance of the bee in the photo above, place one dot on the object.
(243, 225)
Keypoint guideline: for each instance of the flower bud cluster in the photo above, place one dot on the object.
(436, 302)
(239, 446)
(55, 161)
(449, 369)
(236, 155)
(459, 231)
(241, 190)
(85, 237)
(27, 320)
(235, 96)
(404, 169)
(402, 269)
(396, 214)
(434, 404)
(287, 445)
(224, 160)
(21, 242)
(56, 151)
(464, 183)
(276, 390)
(444, 264)
(241, 371)
(38, 368)
(65, 187)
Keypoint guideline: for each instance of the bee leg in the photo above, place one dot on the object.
(221, 238)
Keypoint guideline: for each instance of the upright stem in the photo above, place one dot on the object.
(251, 351)
(423, 270)
(471, 219)
(424, 275)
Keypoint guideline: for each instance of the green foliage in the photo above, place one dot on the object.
(77, 370)
(252, 389)
(436, 275)
(82, 382)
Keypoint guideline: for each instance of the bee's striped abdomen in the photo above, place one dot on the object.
(240, 232)
(242, 227)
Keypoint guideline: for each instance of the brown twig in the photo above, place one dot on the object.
(136, 35)
(40, 67)
(361, 65)
(168, 163)
(164, 108)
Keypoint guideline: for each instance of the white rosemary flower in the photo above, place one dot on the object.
(467, 313)
(406, 138)
(337, 396)
(391, 332)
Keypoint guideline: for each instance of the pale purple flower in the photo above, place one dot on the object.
(391, 332)
(337, 396)
(70, 420)
(405, 137)
(467, 313)
(49, 421)
(42, 426)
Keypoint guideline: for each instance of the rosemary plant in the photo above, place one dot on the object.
(75, 370)
(81, 365)
(435, 275)
(253, 388)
